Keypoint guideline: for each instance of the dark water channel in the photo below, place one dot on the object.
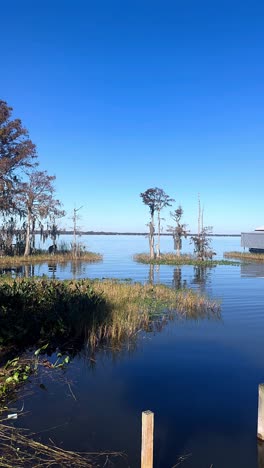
(199, 376)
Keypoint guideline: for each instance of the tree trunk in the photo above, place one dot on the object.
(158, 243)
(151, 237)
(27, 247)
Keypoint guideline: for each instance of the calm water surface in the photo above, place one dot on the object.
(200, 377)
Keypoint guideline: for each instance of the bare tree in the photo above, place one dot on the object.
(36, 200)
(202, 241)
(17, 152)
(179, 231)
(75, 245)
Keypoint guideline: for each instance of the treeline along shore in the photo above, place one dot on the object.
(115, 233)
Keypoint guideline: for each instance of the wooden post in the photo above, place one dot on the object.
(260, 447)
(147, 439)
(261, 412)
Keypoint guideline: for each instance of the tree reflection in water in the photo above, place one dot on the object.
(52, 267)
(177, 281)
(201, 276)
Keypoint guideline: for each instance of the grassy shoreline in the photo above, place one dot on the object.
(173, 259)
(36, 311)
(69, 314)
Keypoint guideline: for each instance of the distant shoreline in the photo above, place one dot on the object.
(109, 233)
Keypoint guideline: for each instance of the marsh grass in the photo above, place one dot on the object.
(89, 257)
(90, 311)
(69, 314)
(173, 259)
(72, 310)
(134, 306)
(255, 257)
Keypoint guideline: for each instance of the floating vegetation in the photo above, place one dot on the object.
(248, 256)
(174, 259)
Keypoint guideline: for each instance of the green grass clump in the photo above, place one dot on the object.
(173, 259)
(34, 309)
(249, 256)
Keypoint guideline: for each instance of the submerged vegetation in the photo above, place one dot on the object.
(174, 259)
(249, 256)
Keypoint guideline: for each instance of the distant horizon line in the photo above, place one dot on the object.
(116, 233)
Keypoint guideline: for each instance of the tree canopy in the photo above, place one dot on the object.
(17, 152)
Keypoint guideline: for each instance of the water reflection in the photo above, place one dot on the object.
(77, 269)
(177, 281)
(252, 270)
(52, 267)
(154, 274)
(182, 276)
(202, 277)
(25, 271)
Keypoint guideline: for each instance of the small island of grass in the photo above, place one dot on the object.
(174, 259)
(44, 256)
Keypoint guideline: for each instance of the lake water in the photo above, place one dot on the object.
(200, 377)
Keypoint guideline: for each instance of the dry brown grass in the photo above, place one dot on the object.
(255, 257)
(18, 449)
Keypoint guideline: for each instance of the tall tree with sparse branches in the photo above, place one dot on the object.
(179, 230)
(17, 152)
(156, 199)
(149, 199)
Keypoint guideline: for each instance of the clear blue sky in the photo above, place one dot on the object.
(121, 96)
